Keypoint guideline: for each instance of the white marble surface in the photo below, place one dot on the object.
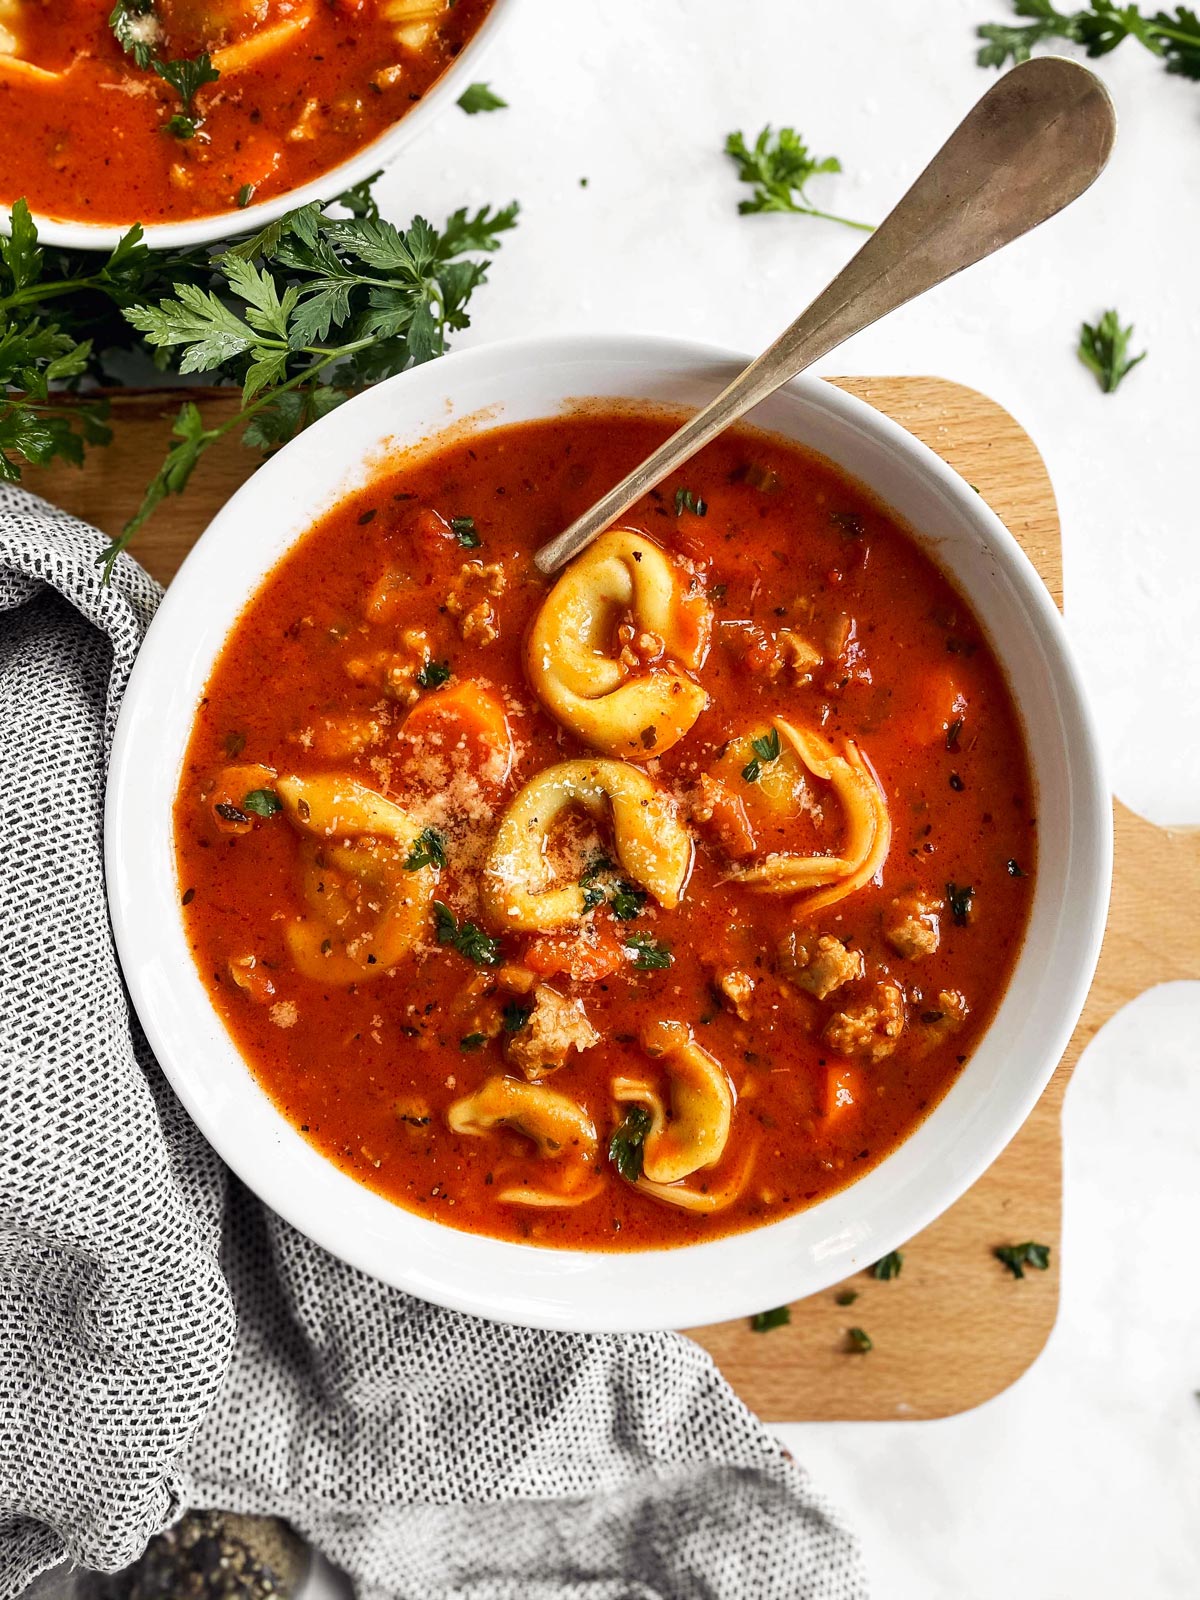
(1083, 1480)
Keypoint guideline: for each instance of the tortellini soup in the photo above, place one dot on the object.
(648, 902)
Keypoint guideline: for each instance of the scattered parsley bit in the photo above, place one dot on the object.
(1014, 868)
(472, 1041)
(764, 1321)
(230, 813)
(515, 1016)
(433, 674)
(1016, 1257)
(1100, 27)
(688, 500)
(429, 850)
(779, 166)
(627, 901)
(960, 896)
(625, 1146)
(649, 954)
(262, 802)
(888, 1266)
(953, 733)
(766, 748)
(465, 532)
(186, 77)
(845, 1297)
(1104, 349)
(593, 896)
(479, 97)
(135, 28)
(244, 196)
(956, 783)
(469, 941)
(859, 1341)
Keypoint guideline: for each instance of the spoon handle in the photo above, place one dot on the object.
(1030, 146)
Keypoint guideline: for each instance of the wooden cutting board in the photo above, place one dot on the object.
(955, 1328)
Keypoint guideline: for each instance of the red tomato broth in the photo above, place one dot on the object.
(94, 146)
(784, 530)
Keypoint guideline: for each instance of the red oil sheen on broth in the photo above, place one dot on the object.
(367, 1072)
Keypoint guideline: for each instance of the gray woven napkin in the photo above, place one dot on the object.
(167, 1342)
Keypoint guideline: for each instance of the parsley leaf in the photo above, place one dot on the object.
(1016, 1257)
(515, 1016)
(859, 1341)
(262, 802)
(779, 166)
(960, 896)
(135, 28)
(469, 941)
(187, 77)
(688, 500)
(465, 531)
(472, 1041)
(1173, 36)
(479, 97)
(648, 953)
(625, 1146)
(429, 850)
(888, 1266)
(766, 749)
(1104, 349)
(764, 1321)
(845, 1297)
(434, 674)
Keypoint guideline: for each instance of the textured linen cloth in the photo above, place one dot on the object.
(166, 1341)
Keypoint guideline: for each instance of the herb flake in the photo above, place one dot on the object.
(764, 1321)
(1016, 1257)
(625, 1146)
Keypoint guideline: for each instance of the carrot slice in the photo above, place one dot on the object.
(467, 713)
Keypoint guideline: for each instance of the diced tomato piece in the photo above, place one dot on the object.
(585, 954)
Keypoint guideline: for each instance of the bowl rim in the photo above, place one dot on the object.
(64, 233)
(685, 1285)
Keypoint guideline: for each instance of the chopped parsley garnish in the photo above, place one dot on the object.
(244, 196)
(1016, 1257)
(433, 674)
(230, 813)
(960, 896)
(135, 28)
(515, 1016)
(595, 867)
(625, 1146)
(888, 1266)
(767, 748)
(779, 166)
(952, 734)
(627, 901)
(479, 97)
(593, 896)
(764, 1321)
(845, 1297)
(186, 78)
(262, 802)
(956, 783)
(429, 850)
(472, 1041)
(860, 1341)
(469, 941)
(688, 500)
(465, 532)
(1104, 349)
(1014, 868)
(649, 954)
(1100, 27)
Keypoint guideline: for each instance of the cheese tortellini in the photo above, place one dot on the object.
(693, 1133)
(652, 844)
(825, 879)
(558, 1126)
(634, 699)
(368, 908)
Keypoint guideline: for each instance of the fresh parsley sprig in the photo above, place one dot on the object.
(313, 306)
(779, 166)
(1173, 36)
(766, 749)
(477, 97)
(1104, 348)
(625, 1147)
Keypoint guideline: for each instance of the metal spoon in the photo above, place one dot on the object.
(1034, 143)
